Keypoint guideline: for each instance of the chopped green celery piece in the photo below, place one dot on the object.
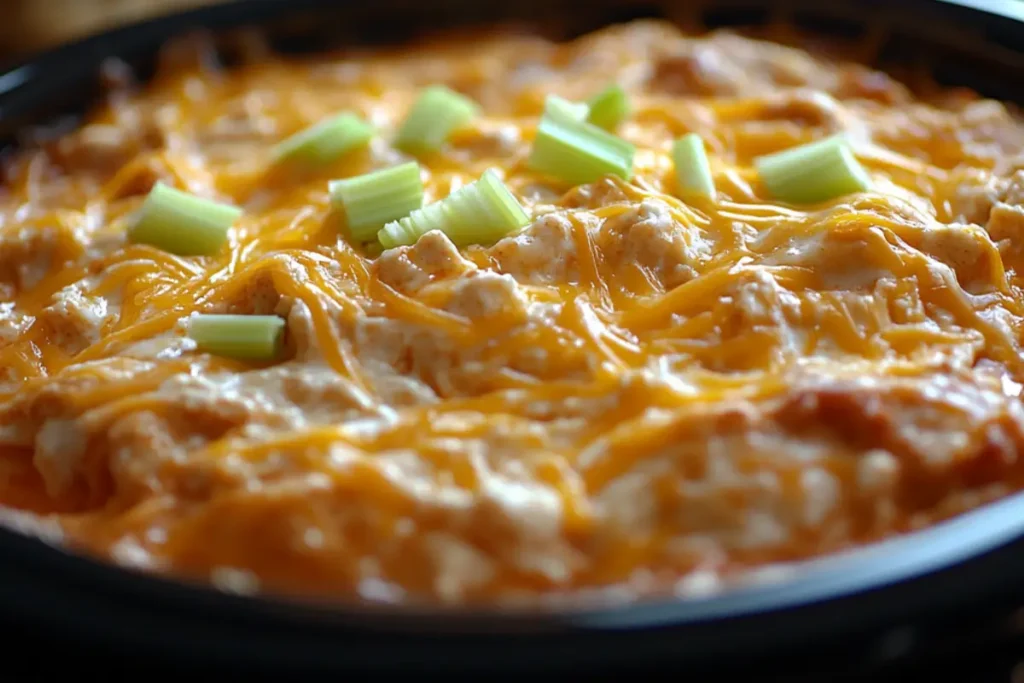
(326, 141)
(373, 199)
(609, 107)
(181, 223)
(418, 223)
(693, 174)
(243, 337)
(481, 212)
(437, 112)
(814, 172)
(574, 110)
(578, 152)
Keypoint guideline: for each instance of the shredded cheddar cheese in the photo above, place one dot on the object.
(631, 391)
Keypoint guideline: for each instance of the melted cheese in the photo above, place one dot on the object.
(633, 395)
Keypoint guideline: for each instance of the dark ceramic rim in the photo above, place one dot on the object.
(941, 551)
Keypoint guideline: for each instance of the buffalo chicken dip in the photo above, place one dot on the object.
(502, 320)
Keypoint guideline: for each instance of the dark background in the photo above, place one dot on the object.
(29, 25)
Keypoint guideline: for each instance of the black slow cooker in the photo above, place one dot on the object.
(940, 603)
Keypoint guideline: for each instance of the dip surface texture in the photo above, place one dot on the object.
(633, 396)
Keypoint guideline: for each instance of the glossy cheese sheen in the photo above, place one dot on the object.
(632, 396)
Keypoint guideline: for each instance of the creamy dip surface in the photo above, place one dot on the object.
(633, 396)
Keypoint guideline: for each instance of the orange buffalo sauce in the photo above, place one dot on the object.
(635, 395)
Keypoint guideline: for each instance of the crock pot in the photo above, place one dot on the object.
(920, 598)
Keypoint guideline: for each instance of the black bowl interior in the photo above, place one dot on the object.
(970, 563)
